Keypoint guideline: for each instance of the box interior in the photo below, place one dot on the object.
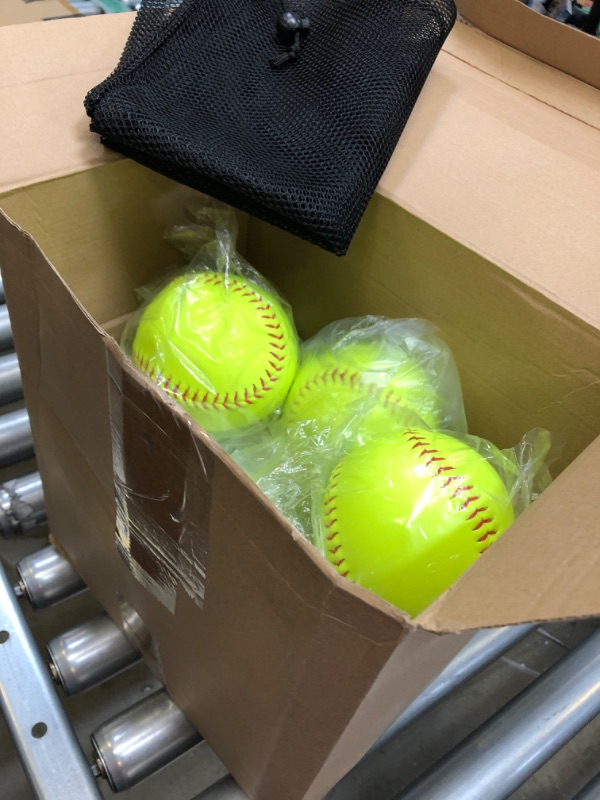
(524, 361)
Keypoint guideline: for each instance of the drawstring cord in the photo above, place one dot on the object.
(292, 30)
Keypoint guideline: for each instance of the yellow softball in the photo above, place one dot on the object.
(223, 347)
(405, 517)
(362, 387)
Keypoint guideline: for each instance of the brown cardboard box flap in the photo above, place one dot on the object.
(72, 56)
(541, 37)
(479, 161)
(541, 571)
(534, 78)
(446, 169)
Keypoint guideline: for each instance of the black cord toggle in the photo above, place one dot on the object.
(292, 30)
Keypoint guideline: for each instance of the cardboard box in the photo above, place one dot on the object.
(562, 46)
(484, 222)
(15, 12)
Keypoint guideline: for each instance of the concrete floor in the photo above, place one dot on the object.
(389, 770)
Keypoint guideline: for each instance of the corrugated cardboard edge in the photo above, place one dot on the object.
(462, 99)
(540, 37)
(525, 73)
(479, 160)
(43, 126)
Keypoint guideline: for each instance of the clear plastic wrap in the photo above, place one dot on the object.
(368, 374)
(359, 379)
(358, 435)
(215, 335)
(405, 516)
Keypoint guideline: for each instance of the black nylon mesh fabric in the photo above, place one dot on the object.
(301, 146)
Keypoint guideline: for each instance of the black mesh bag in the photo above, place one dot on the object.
(287, 109)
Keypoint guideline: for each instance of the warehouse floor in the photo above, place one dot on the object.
(389, 770)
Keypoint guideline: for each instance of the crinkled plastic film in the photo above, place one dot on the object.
(358, 379)
(358, 435)
(406, 515)
(372, 461)
(162, 514)
(215, 335)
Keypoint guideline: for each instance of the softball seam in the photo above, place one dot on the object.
(331, 522)
(476, 515)
(440, 467)
(239, 399)
(390, 398)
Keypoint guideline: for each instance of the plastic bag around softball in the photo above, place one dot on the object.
(359, 379)
(215, 335)
(405, 516)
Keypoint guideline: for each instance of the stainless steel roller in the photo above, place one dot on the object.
(138, 742)
(483, 649)
(22, 506)
(89, 654)
(11, 386)
(46, 578)
(6, 334)
(51, 755)
(504, 752)
(16, 442)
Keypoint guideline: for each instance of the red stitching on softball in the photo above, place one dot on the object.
(469, 500)
(421, 442)
(450, 479)
(250, 395)
(433, 460)
(354, 379)
(330, 521)
(443, 469)
(461, 488)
